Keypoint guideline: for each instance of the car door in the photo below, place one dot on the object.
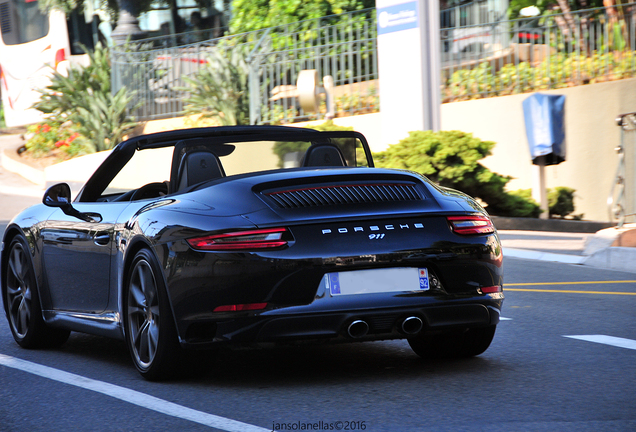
(76, 257)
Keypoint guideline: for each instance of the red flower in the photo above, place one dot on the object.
(61, 143)
(46, 128)
(72, 137)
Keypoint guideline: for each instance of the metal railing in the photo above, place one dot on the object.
(518, 56)
(481, 60)
(473, 13)
(154, 68)
(622, 199)
(346, 51)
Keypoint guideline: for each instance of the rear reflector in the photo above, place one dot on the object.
(472, 224)
(240, 307)
(491, 289)
(269, 238)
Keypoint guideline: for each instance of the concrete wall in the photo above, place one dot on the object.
(591, 139)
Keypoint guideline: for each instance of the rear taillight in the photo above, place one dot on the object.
(269, 238)
(240, 307)
(473, 224)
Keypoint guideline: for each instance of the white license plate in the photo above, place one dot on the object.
(377, 281)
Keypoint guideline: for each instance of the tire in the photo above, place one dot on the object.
(151, 335)
(22, 301)
(457, 344)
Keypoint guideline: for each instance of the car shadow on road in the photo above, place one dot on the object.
(322, 364)
(286, 366)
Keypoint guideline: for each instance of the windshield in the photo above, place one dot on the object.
(22, 22)
(175, 162)
(269, 155)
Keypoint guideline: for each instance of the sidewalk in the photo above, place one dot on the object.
(591, 249)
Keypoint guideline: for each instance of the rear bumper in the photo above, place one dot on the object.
(305, 323)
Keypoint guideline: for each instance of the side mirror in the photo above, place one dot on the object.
(59, 196)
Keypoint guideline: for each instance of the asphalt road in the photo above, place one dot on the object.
(533, 378)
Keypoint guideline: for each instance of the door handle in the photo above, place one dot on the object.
(101, 238)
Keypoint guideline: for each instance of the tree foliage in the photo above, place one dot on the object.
(250, 15)
(451, 159)
(544, 5)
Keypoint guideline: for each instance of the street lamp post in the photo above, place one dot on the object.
(127, 23)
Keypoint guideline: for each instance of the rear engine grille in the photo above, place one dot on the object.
(344, 194)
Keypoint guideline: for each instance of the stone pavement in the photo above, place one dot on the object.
(16, 192)
(591, 249)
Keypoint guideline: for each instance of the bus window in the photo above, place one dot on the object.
(22, 22)
(79, 33)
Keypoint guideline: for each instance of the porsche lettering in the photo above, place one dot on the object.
(373, 228)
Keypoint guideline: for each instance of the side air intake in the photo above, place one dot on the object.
(344, 194)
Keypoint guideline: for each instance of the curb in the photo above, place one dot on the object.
(552, 225)
(11, 163)
(614, 258)
(611, 258)
(544, 256)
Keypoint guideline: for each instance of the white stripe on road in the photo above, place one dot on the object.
(505, 319)
(130, 396)
(607, 340)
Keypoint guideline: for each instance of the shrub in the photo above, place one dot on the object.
(84, 98)
(451, 159)
(523, 203)
(220, 88)
(555, 71)
(561, 201)
(51, 138)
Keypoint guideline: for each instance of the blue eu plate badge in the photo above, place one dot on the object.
(423, 273)
(334, 283)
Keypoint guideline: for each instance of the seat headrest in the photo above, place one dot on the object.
(324, 155)
(198, 166)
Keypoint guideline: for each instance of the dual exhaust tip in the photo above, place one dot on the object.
(409, 326)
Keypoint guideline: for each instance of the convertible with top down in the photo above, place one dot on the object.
(245, 235)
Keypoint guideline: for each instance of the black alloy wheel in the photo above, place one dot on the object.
(22, 302)
(151, 335)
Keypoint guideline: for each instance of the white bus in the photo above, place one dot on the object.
(32, 45)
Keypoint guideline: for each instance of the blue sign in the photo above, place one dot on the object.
(397, 18)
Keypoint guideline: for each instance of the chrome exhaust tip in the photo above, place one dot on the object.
(412, 325)
(358, 329)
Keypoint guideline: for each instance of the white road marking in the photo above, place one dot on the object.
(130, 396)
(505, 319)
(607, 340)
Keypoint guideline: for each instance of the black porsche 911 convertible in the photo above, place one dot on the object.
(246, 235)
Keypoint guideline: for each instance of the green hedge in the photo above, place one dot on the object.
(451, 159)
